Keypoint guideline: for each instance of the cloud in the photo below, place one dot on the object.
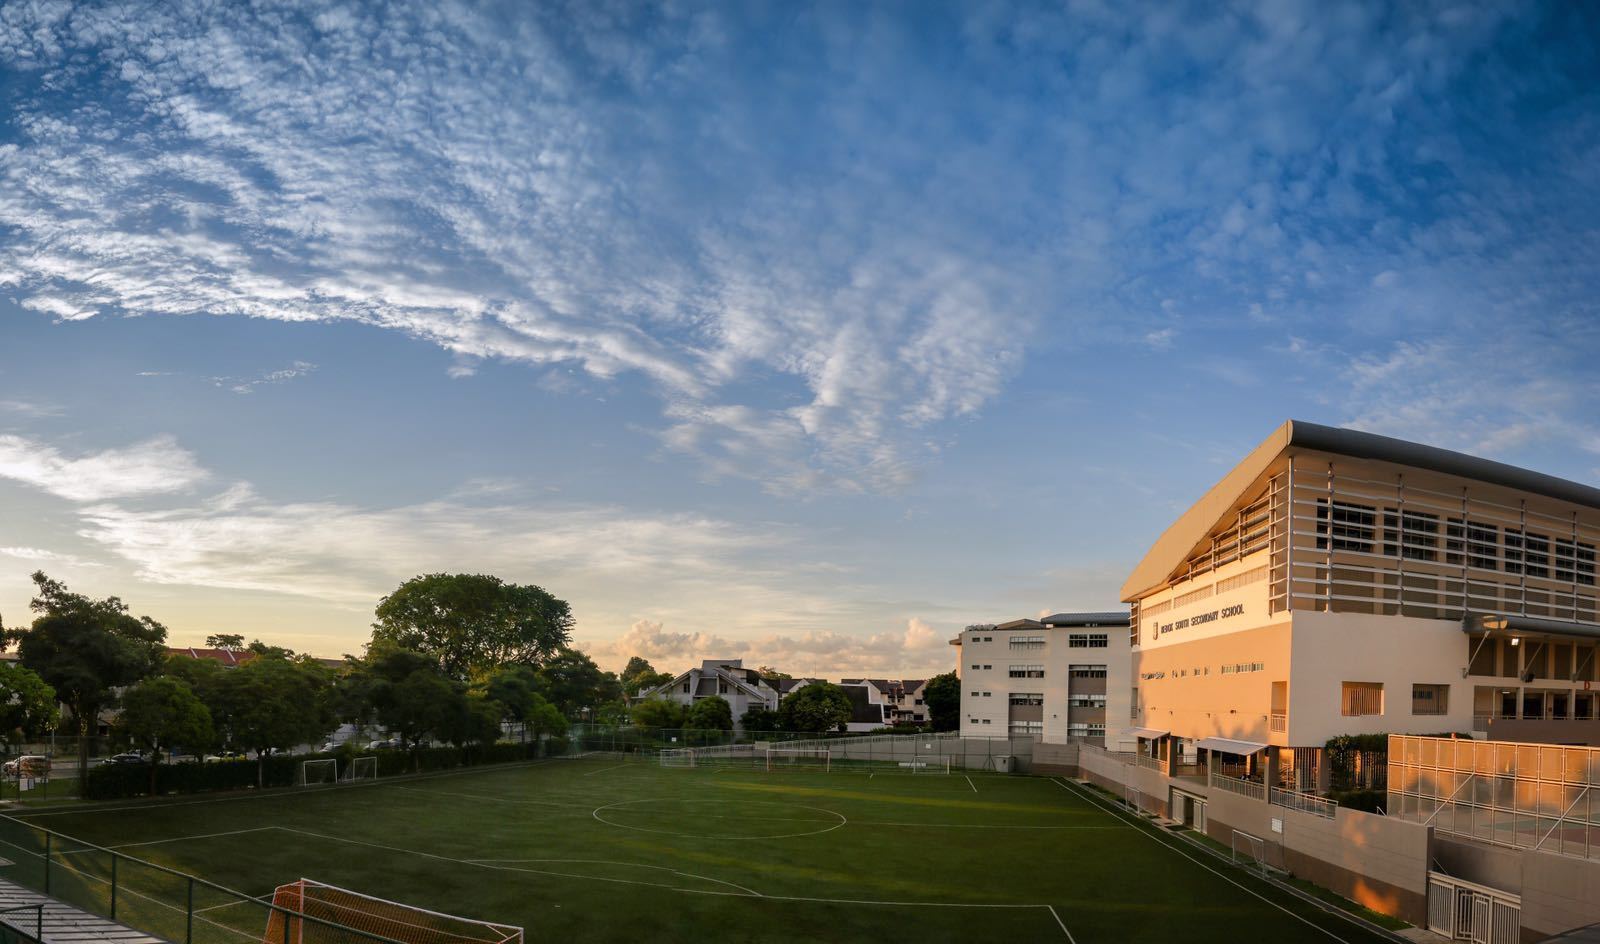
(249, 384)
(918, 649)
(43, 556)
(152, 467)
(29, 408)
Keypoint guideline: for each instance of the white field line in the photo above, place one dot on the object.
(860, 822)
(617, 767)
(1063, 924)
(1204, 865)
(628, 865)
(970, 783)
(493, 799)
(157, 842)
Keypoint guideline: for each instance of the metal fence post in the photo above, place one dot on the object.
(113, 886)
(47, 863)
(188, 915)
(38, 922)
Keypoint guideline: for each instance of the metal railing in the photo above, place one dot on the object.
(1304, 802)
(1279, 723)
(155, 899)
(11, 929)
(1254, 789)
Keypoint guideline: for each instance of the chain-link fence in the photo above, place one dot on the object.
(906, 752)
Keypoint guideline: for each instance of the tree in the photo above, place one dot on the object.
(470, 719)
(276, 704)
(545, 719)
(711, 714)
(657, 713)
(819, 706)
(86, 649)
(230, 642)
(943, 698)
(759, 718)
(639, 675)
(571, 681)
(27, 703)
(768, 672)
(515, 687)
(472, 623)
(162, 713)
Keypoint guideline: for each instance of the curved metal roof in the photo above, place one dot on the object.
(1113, 618)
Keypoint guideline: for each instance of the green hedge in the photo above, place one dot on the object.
(1367, 801)
(116, 781)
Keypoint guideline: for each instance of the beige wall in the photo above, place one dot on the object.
(1213, 704)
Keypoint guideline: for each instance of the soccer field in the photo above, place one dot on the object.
(601, 850)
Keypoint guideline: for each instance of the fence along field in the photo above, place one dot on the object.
(607, 849)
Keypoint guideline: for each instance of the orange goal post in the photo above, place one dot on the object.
(310, 912)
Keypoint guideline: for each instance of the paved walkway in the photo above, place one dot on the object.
(63, 924)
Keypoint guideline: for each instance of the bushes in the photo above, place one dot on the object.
(117, 781)
(1367, 801)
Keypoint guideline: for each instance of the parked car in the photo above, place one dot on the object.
(129, 758)
(388, 744)
(28, 765)
(223, 756)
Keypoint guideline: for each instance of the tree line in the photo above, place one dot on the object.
(451, 657)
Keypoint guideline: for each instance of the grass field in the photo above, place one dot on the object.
(599, 850)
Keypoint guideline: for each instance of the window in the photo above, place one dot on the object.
(1086, 671)
(1361, 698)
(1027, 698)
(1081, 730)
(1027, 671)
(1527, 553)
(1086, 641)
(1242, 667)
(1430, 699)
(722, 686)
(1352, 528)
(1471, 543)
(974, 666)
(1097, 729)
(685, 686)
(1027, 727)
(1086, 701)
(1411, 534)
(1574, 562)
(987, 694)
(988, 667)
(986, 721)
(1027, 642)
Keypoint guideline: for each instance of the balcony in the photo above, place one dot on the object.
(1279, 723)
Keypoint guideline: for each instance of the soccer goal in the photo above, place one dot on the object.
(361, 768)
(308, 912)
(786, 758)
(315, 772)
(928, 764)
(1249, 851)
(677, 757)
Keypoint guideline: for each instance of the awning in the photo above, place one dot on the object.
(1529, 626)
(1149, 734)
(1230, 746)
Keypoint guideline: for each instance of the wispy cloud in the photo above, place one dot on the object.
(152, 467)
(249, 384)
(43, 556)
(29, 408)
(919, 648)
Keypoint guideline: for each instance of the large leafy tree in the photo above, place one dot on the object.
(639, 675)
(820, 706)
(657, 713)
(27, 703)
(472, 623)
(943, 698)
(712, 713)
(759, 718)
(276, 704)
(571, 681)
(161, 712)
(86, 649)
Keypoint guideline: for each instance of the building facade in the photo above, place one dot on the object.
(1337, 582)
(901, 699)
(727, 678)
(1060, 677)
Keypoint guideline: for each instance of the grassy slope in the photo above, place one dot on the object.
(684, 852)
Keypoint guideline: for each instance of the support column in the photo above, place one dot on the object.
(1270, 774)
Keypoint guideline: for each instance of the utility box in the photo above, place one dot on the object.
(1002, 763)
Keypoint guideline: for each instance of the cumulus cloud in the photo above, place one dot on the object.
(919, 649)
(152, 467)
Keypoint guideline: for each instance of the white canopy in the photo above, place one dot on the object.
(1230, 746)
(1149, 734)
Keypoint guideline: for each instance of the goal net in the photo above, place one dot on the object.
(787, 758)
(927, 764)
(1249, 851)
(677, 757)
(308, 912)
(361, 768)
(313, 772)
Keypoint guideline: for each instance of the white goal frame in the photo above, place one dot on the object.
(328, 763)
(676, 757)
(333, 914)
(361, 768)
(821, 752)
(1254, 852)
(926, 764)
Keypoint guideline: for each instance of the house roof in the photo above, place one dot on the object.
(862, 709)
(1175, 544)
(1111, 618)
(227, 657)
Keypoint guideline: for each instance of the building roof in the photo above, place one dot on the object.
(862, 709)
(1174, 545)
(1111, 618)
(227, 657)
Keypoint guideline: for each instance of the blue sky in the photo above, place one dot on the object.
(807, 333)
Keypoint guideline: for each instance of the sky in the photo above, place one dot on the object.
(801, 333)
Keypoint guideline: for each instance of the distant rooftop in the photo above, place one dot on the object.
(1114, 618)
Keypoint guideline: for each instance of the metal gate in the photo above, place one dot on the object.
(1464, 911)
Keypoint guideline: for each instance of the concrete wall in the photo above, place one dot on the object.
(1559, 893)
(1377, 861)
(1055, 759)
